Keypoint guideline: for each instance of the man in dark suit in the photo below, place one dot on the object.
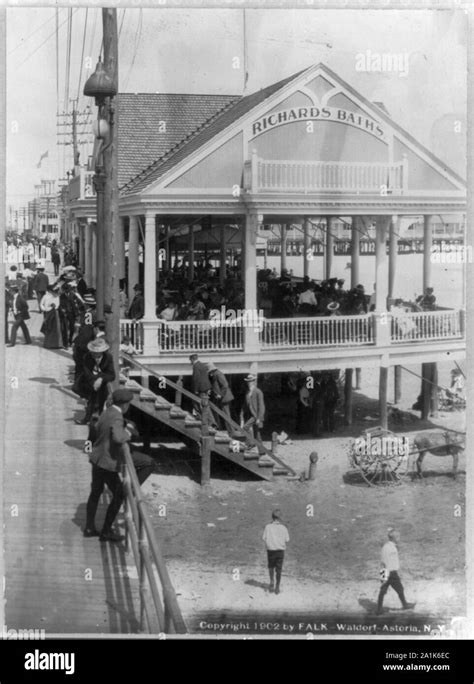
(97, 371)
(202, 386)
(253, 412)
(21, 314)
(222, 394)
(40, 284)
(112, 432)
(137, 307)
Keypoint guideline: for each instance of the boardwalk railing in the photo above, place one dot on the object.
(134, 330)
(280, 333)
(427, 325)
(159, 609)
(307, 176)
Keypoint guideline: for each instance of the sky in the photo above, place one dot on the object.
(202, 51)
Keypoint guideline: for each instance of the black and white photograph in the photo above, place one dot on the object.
(236, 248)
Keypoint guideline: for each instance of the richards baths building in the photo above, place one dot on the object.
(208, 175)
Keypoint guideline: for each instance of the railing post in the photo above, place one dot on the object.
(382, 326)
(254, 172)
(405, 173)
(150, 338)
(179, 395)
(462, 322)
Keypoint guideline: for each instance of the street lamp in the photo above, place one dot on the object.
(100, 86)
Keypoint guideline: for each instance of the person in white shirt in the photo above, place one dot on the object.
(389, 572)
(276, 537)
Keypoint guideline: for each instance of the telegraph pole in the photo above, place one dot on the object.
(111, 227)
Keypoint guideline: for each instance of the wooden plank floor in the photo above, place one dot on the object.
(55, 578)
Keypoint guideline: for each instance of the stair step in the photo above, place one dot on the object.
(163, 405)
(279, 470)
(146, 395)
(266, 462)
(222, 439)
(250, 456)
(190, 423)
(177, 413)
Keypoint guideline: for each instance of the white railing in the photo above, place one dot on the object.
(189, 336)
(294, 333)
(307, 176)
(134, 330)
(427, 325)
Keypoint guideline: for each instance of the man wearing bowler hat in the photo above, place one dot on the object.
(253, 412)
(97, 371)
(112, 432)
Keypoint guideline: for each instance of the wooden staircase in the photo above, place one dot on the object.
(184, 423)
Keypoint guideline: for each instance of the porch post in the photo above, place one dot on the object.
(392, 256)
(88, 252)
(167, 247)
(223, 256)
(191, 252)
(348, 397)
(328, 252)
(283, 234)
(355, 251)
(150, 345)
(93, 282)
(158, 246)
(306, 246)
(251, 336)
(132, 256)
(383, 376)
(82, 241)
(427, 244)
(121, 249)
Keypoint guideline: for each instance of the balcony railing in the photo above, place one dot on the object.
(282, 333)
(307, 176)
(295, 333)
(426, 325)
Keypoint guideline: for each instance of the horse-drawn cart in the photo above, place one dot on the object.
(381, 458)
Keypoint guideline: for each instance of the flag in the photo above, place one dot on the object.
(43, 156)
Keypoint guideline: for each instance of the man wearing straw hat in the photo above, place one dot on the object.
(112, 432)
(97, 372)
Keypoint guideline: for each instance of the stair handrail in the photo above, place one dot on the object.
(147, 553)
(215, 409)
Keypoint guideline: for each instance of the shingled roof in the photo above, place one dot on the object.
(140, 141)
(214, 125)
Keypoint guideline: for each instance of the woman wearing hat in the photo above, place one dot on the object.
(97, 371)
(51, 327)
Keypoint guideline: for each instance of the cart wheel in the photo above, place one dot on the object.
(380, 470)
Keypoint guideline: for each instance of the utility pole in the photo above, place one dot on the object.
(111, 243)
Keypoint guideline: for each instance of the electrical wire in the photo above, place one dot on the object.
(68, 61)
(34, 32)
(82, 56)
(138, 33)
(45, 41)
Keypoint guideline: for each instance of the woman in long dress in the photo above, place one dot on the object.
(51, 327)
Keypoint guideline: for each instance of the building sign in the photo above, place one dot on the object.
(362, 122)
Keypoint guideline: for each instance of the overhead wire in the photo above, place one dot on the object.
(138, 33)
(21, 44)
(45, 41)
(82, 56)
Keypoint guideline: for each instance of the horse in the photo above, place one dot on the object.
(446, 443)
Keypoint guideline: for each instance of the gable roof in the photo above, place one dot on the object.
(208, 129)
(139, 115)
(238, 107)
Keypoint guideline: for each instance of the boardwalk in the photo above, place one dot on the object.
(55, 578)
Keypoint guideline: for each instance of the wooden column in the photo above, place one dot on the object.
(392, 255)
(223, 256)
(427, 245)
(328, 252)
(159, 261)
(355, 251)
(306, 246)
(381, 265)
(397, 383)
(383, 376)
(132, 256)
(121, 249)
(348, 397)
(425, 390)
(252, 342)
(191, 253)
(283, 229)
(150, 266)
(88, 252)
(93, 282)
